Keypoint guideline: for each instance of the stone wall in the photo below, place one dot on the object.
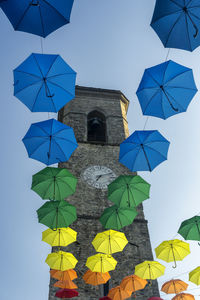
(90, 202)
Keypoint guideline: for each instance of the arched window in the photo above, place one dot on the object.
(96, 123)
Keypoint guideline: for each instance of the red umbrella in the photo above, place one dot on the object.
(66, 293)
(105, 298)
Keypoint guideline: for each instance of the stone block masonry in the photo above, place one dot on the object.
(89, 201)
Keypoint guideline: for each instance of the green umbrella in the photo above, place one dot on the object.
(190, 229)
(54, 183)
(115, 217)
(128, 191)
(57, 214)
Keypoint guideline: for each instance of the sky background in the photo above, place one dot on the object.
(108, 43)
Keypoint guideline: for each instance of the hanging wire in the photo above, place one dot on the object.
(168, 52)
(145, 123)
(42, 47)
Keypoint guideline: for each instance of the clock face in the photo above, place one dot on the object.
(99, 176)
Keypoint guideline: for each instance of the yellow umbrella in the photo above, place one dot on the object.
(110, 241)
(61, 261)
(194, 276)
(101, 263)
(149, 270)
(59, 237)
(172, 250)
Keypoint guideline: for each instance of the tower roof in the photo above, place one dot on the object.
(82, 90)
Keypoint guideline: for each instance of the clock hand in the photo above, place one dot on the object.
(99, 176)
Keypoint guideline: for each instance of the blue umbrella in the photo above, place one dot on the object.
(50, 142)
(166, 89)
(40, 17)
(44, 82)
(177, 23)
(143, 150)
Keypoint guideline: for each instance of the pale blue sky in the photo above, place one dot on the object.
(109, 43)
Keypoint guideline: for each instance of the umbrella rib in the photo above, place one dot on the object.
(151, 99)
(27, 87)
(188, 32)
(66, 184)
(149, 73)
(37, 148)
(176, 3)
(167, 92)
(68, 73)
(172, 28)
(65, 139)
(166, 83)
(36, 97)
(61, 88)
(19, 71)
(55, 9)
(180, 87)
(23, 15)
(51, 66)
(38, 65)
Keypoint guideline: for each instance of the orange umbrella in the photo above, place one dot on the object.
(133, 283)
(117, 293)
(96, 278)
(174, 286)
(68, 284)
(64, 275)
(183, 296)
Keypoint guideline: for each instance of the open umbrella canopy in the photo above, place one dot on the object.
(166, 89)
(190, 229)
(44, 82)
(117, 293)
(194, 276)
(64, 275)
(61, 261)
(66, 293)
(67, 284)
(54, 183)
(149, 270)
(115, 217)
(172, 250)
(57, 214)
(110, 241)
(183, 296)
(40, 17)
(101, 263)
(105, 298)
(60, 237)
(50, 142)
(133, 283)
(143, 150)
(174, 286)
(96, 278)
(128, 191)
(177, 23)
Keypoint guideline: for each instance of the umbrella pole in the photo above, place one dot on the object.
(150, 281)
(174, 258)
(110, 245)
(198, 231)
(54, 187)
(195, 27)
(162, 88)
(146, 157)
(48, 153)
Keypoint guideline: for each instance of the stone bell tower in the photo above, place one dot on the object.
(99, 120)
